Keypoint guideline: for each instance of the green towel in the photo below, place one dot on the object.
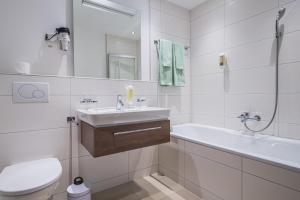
(165, 63)
(178, 65)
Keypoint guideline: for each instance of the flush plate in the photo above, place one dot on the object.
(30, 92)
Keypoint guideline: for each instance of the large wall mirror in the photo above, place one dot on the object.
(108, 40)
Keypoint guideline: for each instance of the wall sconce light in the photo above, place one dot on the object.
(62, 35)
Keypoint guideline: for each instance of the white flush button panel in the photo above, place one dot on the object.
(30, 92)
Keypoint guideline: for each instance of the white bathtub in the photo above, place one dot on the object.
(277, 151)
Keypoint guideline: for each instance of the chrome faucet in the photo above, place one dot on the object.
(245, 116)
(120, 103)
(141, 99)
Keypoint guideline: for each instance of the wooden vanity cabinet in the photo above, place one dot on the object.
(101, 141)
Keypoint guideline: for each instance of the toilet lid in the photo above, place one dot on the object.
(28, 177)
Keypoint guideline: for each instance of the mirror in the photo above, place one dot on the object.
(107, 40)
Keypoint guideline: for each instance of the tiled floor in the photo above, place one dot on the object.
(147, 188)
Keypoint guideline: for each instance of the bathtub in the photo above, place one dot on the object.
(222, 164)
(278, 151)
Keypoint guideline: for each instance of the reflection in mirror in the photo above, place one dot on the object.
(123, 57)
(107, 40)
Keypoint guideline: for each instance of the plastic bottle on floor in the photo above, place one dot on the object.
(78, 190)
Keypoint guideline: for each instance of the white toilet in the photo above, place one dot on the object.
(34, 180)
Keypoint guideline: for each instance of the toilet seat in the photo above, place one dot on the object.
(29, 177)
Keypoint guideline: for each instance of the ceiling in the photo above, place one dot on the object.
(188, 4)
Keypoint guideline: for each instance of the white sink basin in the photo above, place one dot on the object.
(109, 116)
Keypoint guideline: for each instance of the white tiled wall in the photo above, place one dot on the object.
(39, 130)
(244, 31)
(35, 131)
(107, 171)
(169, 21)
(211, 96)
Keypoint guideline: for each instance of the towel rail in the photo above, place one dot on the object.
(156, 42)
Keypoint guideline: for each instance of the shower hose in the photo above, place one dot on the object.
(278, 37)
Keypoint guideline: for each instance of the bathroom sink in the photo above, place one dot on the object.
(109, 116)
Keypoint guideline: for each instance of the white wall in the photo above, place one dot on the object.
(25, 24)
(90, 59)
(23, 27)
(119, 45)
(143, 6)
(124, 46)
(172, 22)
(35, 131)
(244, 30)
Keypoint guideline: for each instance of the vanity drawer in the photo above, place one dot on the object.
(118, 138)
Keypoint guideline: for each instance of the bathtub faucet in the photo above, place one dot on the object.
(245, 116)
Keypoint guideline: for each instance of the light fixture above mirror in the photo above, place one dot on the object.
(109, 6)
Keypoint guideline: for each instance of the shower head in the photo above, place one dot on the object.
(281, 12)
